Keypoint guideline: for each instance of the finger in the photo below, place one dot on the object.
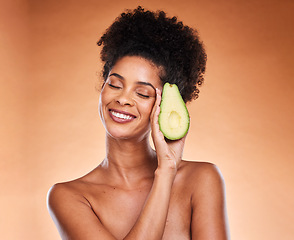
(157, 135)
(156, 109)
(156, 104)
(177, 146)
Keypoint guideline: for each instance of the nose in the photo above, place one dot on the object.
(125, 98)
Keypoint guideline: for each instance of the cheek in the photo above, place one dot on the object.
(105, 96)
(102, 102)
(100, 108)
(146, 108)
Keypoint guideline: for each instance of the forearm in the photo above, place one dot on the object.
(151, 222)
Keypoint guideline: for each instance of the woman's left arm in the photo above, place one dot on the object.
(209, 217)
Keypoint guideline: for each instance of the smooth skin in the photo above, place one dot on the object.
(136, 192)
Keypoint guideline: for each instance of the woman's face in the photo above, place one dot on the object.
(128, 96)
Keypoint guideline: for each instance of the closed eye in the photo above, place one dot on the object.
(143, 96)
(113, 86)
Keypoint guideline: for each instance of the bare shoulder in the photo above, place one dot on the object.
(201, 175)
(61, 193)
(201, 170)
(207, 189)
(76, 191)
(68, 203)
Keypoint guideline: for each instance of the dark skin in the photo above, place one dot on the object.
(136, 192)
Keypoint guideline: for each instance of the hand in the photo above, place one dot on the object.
(169, 153)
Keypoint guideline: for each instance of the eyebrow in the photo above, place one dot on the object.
(117, 75)
(139, 82)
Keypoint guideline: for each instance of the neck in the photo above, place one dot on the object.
(129, 160)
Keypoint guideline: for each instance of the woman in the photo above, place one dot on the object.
(137, 192)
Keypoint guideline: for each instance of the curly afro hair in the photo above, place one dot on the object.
(164, 41)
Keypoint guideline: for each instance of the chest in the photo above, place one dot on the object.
(118, 210)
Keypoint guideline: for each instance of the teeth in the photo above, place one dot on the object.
(120, 115)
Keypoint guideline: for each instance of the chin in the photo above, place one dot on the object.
(119, 133)
(118, 136)
(124, 134)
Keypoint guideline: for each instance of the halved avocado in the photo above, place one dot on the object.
(174, 120)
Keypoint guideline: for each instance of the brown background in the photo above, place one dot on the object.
(50, 130)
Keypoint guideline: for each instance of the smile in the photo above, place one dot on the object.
(121, 116)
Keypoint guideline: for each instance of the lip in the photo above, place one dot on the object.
(121, 120)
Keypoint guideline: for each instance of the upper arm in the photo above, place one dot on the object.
(209, 219)
(73, 216)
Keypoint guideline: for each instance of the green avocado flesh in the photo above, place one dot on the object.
(174, 120)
